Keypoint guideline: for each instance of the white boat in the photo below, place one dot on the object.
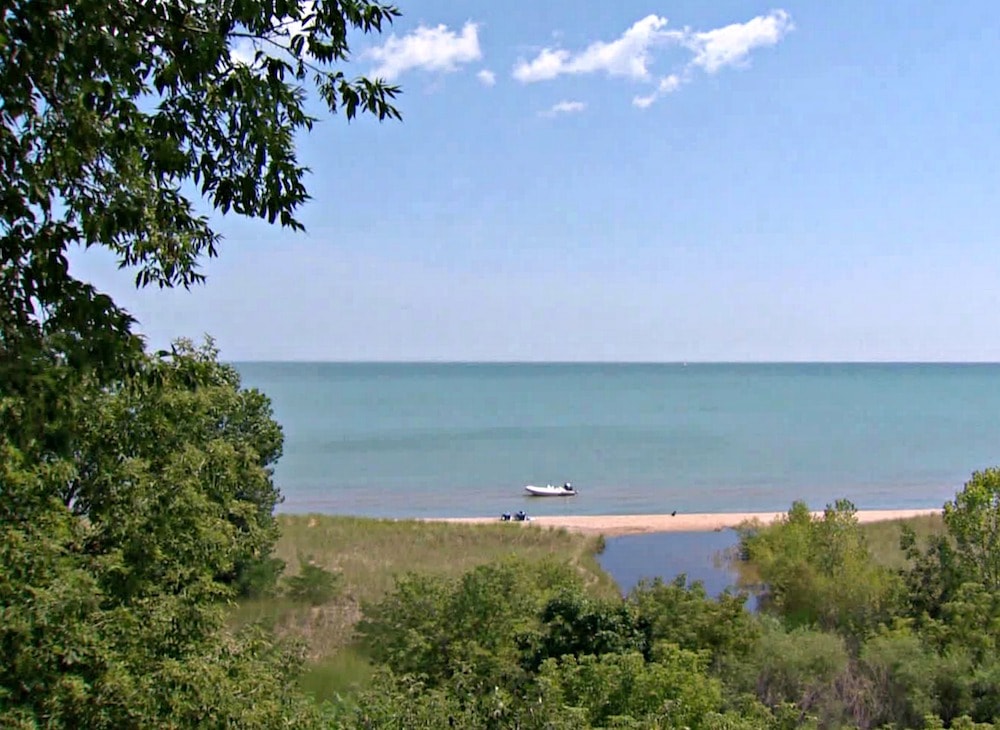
(549, 490)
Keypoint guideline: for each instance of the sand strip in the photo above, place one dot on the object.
(705, 522)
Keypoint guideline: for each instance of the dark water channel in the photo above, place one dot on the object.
(699, 555)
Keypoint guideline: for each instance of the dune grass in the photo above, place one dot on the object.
(883, 537)
(369, 554)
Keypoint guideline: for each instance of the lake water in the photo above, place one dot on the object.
(408, 440)
(697, 555)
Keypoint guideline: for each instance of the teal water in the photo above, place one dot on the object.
(462, 439)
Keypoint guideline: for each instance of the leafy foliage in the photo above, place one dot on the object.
(819, 570)
(120, 550)
(479, 626)
(839, 644)
(523, 645)
(113, 111)
(671, 691)
(973, 521)
(313, 584)
(575, 625)
(135, 490)
(684, 614)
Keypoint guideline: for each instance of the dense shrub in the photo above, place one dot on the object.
(901, 672)
(685, 615)
(258, 578)
(673, 690)
(818, 571)
(487, 620)
(843, 641)
(573, 624)
(313, 584)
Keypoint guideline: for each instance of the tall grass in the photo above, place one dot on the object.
(883, 537)
(369, 554)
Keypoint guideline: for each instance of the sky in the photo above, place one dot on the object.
(633, 181)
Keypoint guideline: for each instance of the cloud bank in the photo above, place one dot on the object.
(631, 55)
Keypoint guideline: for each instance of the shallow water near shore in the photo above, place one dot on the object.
(423, 440)
(698, 555)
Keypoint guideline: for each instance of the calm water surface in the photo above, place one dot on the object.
(462, 439)
(697, 555)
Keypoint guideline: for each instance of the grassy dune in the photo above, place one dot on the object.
(883, 537)
(370, 553)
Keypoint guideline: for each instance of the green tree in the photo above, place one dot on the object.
(801, 668)
(115, 113)
(818, 570)
(973, 521)
(901, 670)
(135, 491)
(173, 468)
(934, 576)
(313, 584)
(406, 701)
(574, 624)
(671, 691)
(116, 117)
(110, 593)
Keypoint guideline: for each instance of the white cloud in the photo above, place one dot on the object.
(627, 56)
(431, 49)
(731, 45)
(632, 54)
(486, 77)
(643, 102)
(547, 65)
(564, 107)
(668, 85)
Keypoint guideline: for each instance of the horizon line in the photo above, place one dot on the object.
(312, 361)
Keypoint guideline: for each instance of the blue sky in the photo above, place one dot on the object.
(635, 181)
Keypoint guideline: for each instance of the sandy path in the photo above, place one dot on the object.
(706, 522)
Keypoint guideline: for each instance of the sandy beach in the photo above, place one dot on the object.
(612, 525)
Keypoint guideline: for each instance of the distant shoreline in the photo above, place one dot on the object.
(615, 525)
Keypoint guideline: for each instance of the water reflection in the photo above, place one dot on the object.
(699, 555)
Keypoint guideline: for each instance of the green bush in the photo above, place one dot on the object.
(672, 691)
(258, 578)
(314, 584)
(801, 667)
(573, 624)
(901, 672)
(819, 571)
(685, 615)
